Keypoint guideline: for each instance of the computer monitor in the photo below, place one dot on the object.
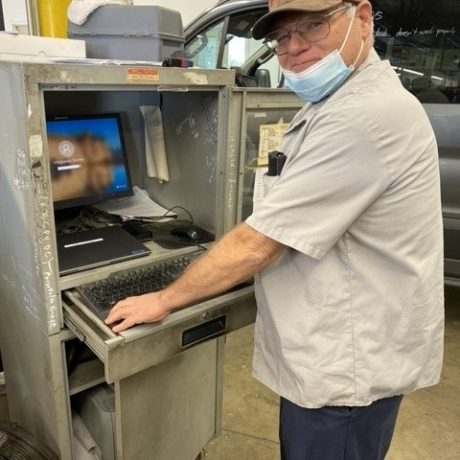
(87, 158)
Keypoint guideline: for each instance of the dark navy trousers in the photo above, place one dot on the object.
(337, 433)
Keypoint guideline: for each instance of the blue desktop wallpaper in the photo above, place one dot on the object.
(105, 129)
(99, 128)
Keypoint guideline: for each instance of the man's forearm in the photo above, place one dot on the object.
(234, 259)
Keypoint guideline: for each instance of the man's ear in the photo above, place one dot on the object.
(364, 13)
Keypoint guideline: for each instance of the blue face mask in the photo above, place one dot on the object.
(321, 79)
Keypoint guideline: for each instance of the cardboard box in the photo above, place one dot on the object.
(15, 47)
(147, 33)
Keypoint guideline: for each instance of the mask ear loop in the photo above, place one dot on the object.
(352, 66)
(349, 30)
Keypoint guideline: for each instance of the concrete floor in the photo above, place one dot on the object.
(428, 426)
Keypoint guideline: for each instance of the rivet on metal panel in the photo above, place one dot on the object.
(205, 315)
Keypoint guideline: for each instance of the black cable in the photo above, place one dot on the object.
(87, 219)
(90, 217)
(166, 214)
(72, 226)
(95, 217)
(183, 209)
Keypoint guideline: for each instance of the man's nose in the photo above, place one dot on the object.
(297, 44)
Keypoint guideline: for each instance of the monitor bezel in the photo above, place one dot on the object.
(94, 199)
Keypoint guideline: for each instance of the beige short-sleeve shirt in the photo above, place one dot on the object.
(353, 311)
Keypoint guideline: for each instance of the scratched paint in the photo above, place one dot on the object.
(231, 194)
(24, 293)
(232, 182)
(211, 167)
(8, 280)
(46, 259)
(189, 123)
(21, 179)
(35, 146)
(47, 263)
(232, 155)
(65, 76)
(50, 293)
(211, 121)
(28, 303)
(196, 78)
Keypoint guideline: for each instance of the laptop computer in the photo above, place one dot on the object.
(94, 248)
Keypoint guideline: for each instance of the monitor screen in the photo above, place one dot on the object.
(87, 159)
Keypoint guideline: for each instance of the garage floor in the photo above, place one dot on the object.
(428, 427)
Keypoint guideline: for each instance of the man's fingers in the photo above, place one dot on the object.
(126, 324)
(135, 310)
(117, 313)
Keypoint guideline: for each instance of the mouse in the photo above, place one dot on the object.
(189, 232)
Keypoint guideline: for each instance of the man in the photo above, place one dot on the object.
(346, 247)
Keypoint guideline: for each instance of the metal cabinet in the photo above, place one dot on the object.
(250, 108)
(165, 378)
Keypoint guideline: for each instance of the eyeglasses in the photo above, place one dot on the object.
(311, 28)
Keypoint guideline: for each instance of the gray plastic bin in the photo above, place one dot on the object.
(150, 33)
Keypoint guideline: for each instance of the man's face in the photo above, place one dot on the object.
(302, 54)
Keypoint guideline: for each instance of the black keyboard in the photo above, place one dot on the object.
(102, 295)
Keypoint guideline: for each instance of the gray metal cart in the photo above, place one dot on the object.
(160, 385)
(166, 391)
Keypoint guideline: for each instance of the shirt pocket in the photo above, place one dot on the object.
(261, 188)
(269, 182)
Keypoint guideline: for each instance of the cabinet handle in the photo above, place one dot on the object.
(205, 331)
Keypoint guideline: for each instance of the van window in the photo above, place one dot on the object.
(234, 33)
(204, 48)
(422, 41)
(237, 53)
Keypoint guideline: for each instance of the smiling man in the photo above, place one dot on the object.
(346, 247)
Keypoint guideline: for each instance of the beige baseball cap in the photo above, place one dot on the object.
(264, 25)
